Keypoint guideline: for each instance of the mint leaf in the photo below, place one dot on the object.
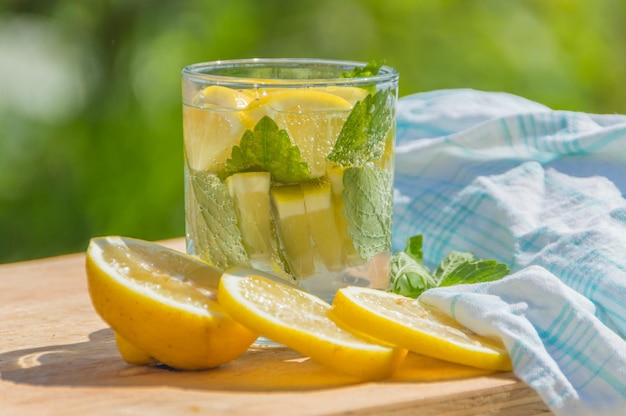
(414, 248)
(410, 278)
(370, 69)
(363, 135)
(219, 238)
(267, 149)
(475, 271)
(450, 263)
(368, 209)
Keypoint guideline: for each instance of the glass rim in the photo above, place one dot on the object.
(201, 72)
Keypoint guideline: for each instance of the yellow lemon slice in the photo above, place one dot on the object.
(299, 320)
(162, 305)
(213, 125)
(300, 100)
(312, 118)
(410, 324)
(350, 94)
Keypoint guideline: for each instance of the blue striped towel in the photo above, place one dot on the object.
(543, 191)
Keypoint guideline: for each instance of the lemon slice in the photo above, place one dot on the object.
(408, 323)
(162, 305)
(300, 100)
(350, 94)
(321, 216)
(312, 118)
(222, 97)
(251, 195)
(350, 257)
(293, 229)
(299, 320)
(213, 125)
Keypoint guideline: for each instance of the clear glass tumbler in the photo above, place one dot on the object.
(289, 168)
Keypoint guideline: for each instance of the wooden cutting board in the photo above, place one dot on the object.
(58, 358)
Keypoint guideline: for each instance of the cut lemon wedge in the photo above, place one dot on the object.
(251, 194)
(162, 305)
(350, 256)
(299, 320)
(321, 216)
(408, 323)
(293, 229)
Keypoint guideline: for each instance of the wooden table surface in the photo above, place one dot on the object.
(57, 357)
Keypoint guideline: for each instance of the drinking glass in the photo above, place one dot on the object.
(289, 168)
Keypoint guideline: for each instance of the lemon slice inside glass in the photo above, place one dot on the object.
(350, 94)
(409, 323)
(162, 305)
(313, 118)
(213, 125)
(299, 320)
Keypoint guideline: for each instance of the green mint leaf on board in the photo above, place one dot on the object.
(213, 222)
(368, 209)
(414, 248)
(409, 277)
(450, 263)
(267, 149)
(370, 69)
(363, 135)
(475, 271)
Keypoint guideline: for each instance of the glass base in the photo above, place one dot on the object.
(262, 342)
(326, 285)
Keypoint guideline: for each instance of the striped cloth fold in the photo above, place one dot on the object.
(543, 191)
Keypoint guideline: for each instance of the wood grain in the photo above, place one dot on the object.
(58, 357)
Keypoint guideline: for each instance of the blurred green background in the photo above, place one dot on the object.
(90, 113)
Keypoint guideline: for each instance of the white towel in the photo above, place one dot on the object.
(541, 190)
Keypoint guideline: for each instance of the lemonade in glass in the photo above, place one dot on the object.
(289, 168)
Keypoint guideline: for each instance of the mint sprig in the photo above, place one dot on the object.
(409, 276)
(370, 69)
(214, 226)
(363, 135)
(475, 271)
(368, 208)
(267, 149)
